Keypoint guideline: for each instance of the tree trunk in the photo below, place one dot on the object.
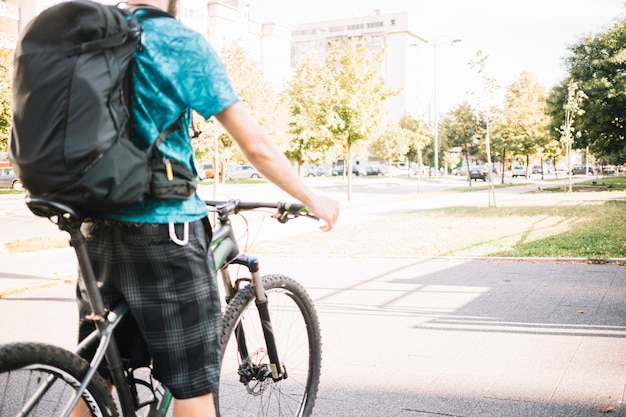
(469, 178)
(349, 173)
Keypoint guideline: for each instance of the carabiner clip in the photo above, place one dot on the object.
(175, 239)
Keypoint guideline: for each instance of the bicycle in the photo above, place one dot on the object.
(271, 345)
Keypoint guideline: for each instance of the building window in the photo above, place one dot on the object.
(373, 25)
(356, 27)
(393, 22)
(336, 28)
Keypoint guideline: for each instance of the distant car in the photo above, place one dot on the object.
(242, 171)
(536, 169)
(519, 171)
(582, 170)
(339, 171)
(373, 171)
(462, 170)
(207, 171)
(8, 179)
(315, 171)
(479, 172)
(393, 171)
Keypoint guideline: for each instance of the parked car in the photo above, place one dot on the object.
(207, 171)
(315, 171)
(478, 172)
(8, 179)
(242, 171)
(536, 169)
(339, 171)
(462, 170)
(373, 171)
(583, 170)
(394, 171)
(519, 171)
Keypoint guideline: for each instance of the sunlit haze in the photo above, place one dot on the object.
(531, 35)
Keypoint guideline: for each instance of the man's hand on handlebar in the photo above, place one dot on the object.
(326, 209)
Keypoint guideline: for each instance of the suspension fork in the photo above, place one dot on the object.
(262, 305)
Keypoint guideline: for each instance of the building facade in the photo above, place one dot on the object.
(388, 34)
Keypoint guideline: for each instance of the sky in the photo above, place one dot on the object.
(529, 35)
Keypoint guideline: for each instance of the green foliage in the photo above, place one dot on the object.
(393, 144)
(419, 135)
(524, 123)
(6, 96)
(598, 65)
(306, 96)
(462, 128)
(356, 94)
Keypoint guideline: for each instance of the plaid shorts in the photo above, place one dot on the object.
(173, 297)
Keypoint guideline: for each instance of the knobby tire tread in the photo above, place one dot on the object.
(18, 355)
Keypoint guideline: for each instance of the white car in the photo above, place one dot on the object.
(8, 179)
(519, 171)
(242, 171)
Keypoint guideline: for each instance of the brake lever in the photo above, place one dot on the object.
(283, 216)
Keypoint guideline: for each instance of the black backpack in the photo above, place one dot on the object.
(70, 136)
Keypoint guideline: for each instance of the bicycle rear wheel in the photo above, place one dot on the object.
(245, 389)
(49, 376)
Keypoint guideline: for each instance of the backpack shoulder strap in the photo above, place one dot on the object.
(175, 125)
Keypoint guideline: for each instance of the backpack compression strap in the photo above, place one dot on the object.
(134, 30)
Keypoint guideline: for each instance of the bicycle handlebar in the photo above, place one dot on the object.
(284, 211)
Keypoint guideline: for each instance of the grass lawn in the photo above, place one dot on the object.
(589, 225)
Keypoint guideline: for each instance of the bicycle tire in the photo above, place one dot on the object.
(25, 367)
(297, 332)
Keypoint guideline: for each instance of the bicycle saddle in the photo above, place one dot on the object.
(49, 208)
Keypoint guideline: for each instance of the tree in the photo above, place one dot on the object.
(598, 66)
(525, 121)
(6, 96)
(392, 144)
(486, 112)
(419, 137)
(462, 127)
(356, 97)
(306, 94)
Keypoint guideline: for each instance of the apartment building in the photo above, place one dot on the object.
(387, 33)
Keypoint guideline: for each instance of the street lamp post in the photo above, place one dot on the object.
(435, 115)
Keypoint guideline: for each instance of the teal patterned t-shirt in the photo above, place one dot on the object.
(175, 69)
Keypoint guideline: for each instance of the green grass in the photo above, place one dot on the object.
(599, 184)
(589, 229)
(37, 243)
(7, 191)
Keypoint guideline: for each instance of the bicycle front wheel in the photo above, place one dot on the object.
(39, 380)
(246, 388)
